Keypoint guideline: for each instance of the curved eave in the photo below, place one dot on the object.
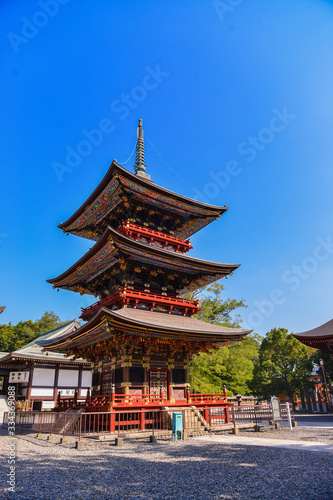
(214, 267)
(322, 332)
(117, 169)
(314, 339)
(148, 322)
(48, 359)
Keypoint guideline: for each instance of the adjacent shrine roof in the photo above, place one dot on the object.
(113, 248)
(143, 323)
(33, 351)
(319, 338)
(121, 192)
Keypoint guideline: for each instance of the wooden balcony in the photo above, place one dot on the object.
(121, 401)
(133, 298)
(166, 240)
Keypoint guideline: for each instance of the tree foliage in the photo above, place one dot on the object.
(218, 311)
(284, 365)
(231, 366)
(13, 337)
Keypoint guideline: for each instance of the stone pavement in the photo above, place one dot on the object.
(287, 444)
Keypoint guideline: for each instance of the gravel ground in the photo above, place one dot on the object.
(190, 469)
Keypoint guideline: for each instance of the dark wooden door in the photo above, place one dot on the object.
(158, 379)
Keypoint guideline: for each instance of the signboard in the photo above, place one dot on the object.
(48, 405)
(276, 410)
(16, 377)
(66, 392)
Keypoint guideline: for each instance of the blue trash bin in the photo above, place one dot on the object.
(177, 426)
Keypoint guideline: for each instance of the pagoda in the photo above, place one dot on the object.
(141, 333)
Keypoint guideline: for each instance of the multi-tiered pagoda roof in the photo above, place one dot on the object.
(139, 270)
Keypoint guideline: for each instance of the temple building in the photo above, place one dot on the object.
(43, 378)
(141, 333)
(318, 338)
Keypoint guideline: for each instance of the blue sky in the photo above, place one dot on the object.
(235, 96)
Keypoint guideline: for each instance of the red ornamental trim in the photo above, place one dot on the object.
(153, 236)
(124, 296)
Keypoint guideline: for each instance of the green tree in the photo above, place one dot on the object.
(218, 311)
(231, 366)
(49, 321)
(13, 337)
(284, 365)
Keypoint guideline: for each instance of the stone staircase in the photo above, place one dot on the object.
(66, 420)
(194, 424)
(3, 407)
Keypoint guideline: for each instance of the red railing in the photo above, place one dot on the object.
(109, 400)
(126, 399)
(208, 398)
(153, 236)
(126, 296)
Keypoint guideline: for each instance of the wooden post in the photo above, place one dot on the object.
(145, 393)
(161, 395)
(227, 416)
(142, 420)
(112, 421)
(113, 394)
(234, 420)
(188, 395)
(29, 388)
(206, 415)
(55, 389)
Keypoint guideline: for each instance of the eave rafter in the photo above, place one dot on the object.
(115, 256)
(121, 329)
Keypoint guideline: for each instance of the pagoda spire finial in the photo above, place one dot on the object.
(139, 165)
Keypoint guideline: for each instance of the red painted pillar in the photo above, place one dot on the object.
(206, 415)
(142, 421)
(112, 422)
(227, 416)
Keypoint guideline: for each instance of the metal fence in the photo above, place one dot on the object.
(195, 420)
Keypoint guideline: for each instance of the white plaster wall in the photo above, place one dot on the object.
(43, 376)
(35, 391)
(86, 379)
(68, 378)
